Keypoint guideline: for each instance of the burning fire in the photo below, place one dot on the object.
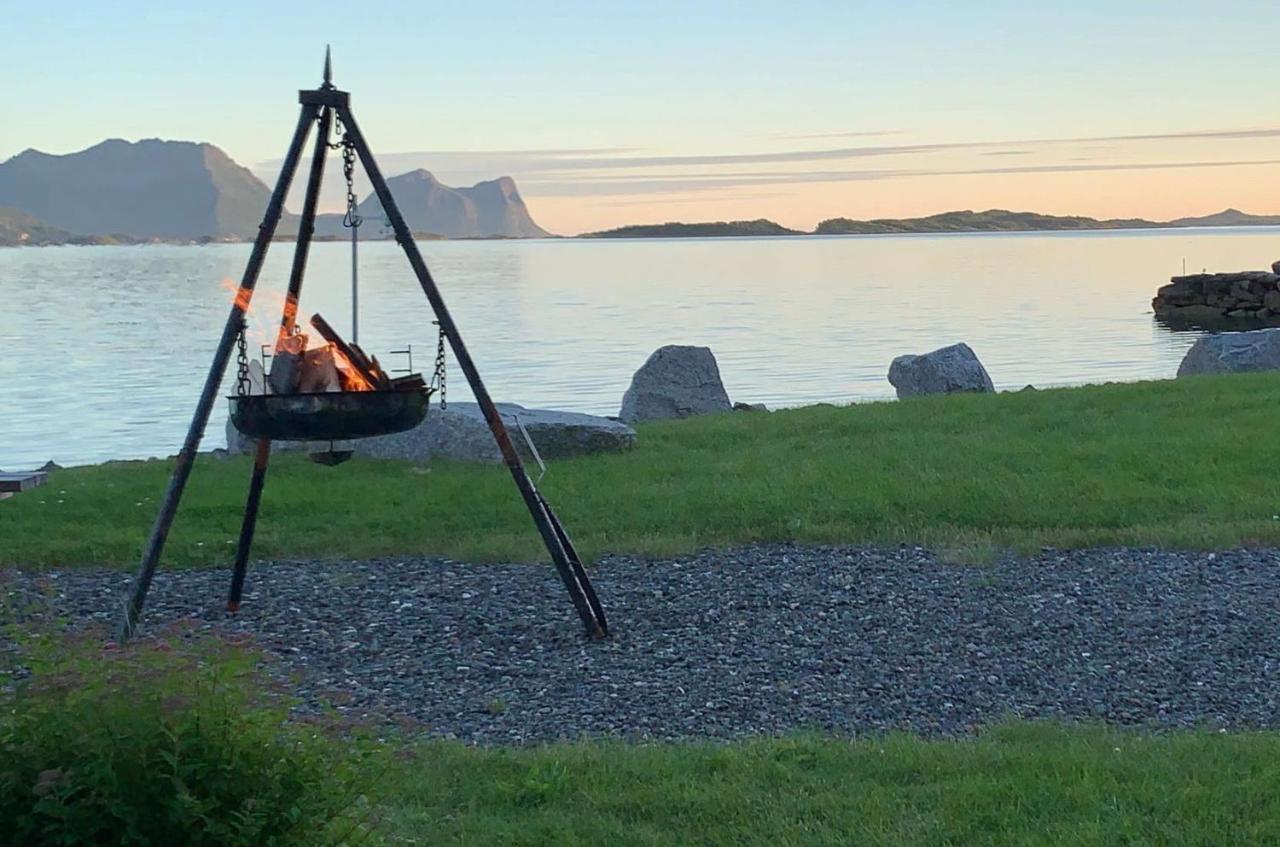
(352, 379)
(288, 339)
(260, 317)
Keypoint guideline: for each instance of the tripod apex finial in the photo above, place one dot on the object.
(328, 67)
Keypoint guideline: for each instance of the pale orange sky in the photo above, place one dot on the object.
(799, 181)
(1159, 176)
(1151, 194)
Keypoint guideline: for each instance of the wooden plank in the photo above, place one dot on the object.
(353, 354)
(15, 482)
(411, 382)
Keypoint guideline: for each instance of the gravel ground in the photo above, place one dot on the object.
(760, 639)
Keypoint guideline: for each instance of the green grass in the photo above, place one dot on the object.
(1019, 784)
(1187, 463)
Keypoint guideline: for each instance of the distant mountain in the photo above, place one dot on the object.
(1001, 220)
(696, 230)
(992, 220)
(148, 189)
(153, 190)
(186, 191)
(491, 209)
(1228, 217)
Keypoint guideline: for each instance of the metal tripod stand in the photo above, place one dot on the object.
(321, 107)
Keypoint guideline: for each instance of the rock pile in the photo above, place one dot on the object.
(1222, 298)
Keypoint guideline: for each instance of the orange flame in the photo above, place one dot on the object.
(288, 320)
(261, 315)
(352, 379)
(287, 337)
(240, 295)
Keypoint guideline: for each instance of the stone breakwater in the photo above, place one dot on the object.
(1221, 298)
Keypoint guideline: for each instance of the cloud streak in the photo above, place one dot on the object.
(675, 183)
(838, 153)
(619, 171)
(494, 162)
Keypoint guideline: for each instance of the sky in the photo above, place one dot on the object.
(620, 113)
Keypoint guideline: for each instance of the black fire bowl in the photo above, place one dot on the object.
(331, 416)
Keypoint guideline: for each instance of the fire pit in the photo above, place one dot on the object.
(333, 392)
(330, 393)
(332, 416)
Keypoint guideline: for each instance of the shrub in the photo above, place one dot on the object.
(172, 740)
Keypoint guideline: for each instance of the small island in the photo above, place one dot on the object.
(716, 229)
(966, 220)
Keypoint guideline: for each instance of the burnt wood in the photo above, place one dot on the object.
(410, 382)
(354, 354)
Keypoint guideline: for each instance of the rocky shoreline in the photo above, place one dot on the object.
(760, 639)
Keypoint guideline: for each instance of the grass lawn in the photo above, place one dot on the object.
(1183, 463)
(1186, 463)
(1020, 784)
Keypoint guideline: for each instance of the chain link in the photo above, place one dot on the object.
(337, 127)
(352, 218)
(242, 361)
(439, 376)
(439, 379)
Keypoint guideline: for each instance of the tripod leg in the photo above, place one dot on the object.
(575, 562)
(573, 582)
(250, 522)
(306, 227)
(186, 457)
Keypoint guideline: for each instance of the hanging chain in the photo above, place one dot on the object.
(338, 128)
(438, 378)
(242, 361)
(352, 218)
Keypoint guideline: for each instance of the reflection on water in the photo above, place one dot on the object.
(105, 348)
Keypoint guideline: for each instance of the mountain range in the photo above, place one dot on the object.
(992, 220)
(154, 190)
(1002, 220)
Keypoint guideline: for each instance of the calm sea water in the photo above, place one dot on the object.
(105, 348)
